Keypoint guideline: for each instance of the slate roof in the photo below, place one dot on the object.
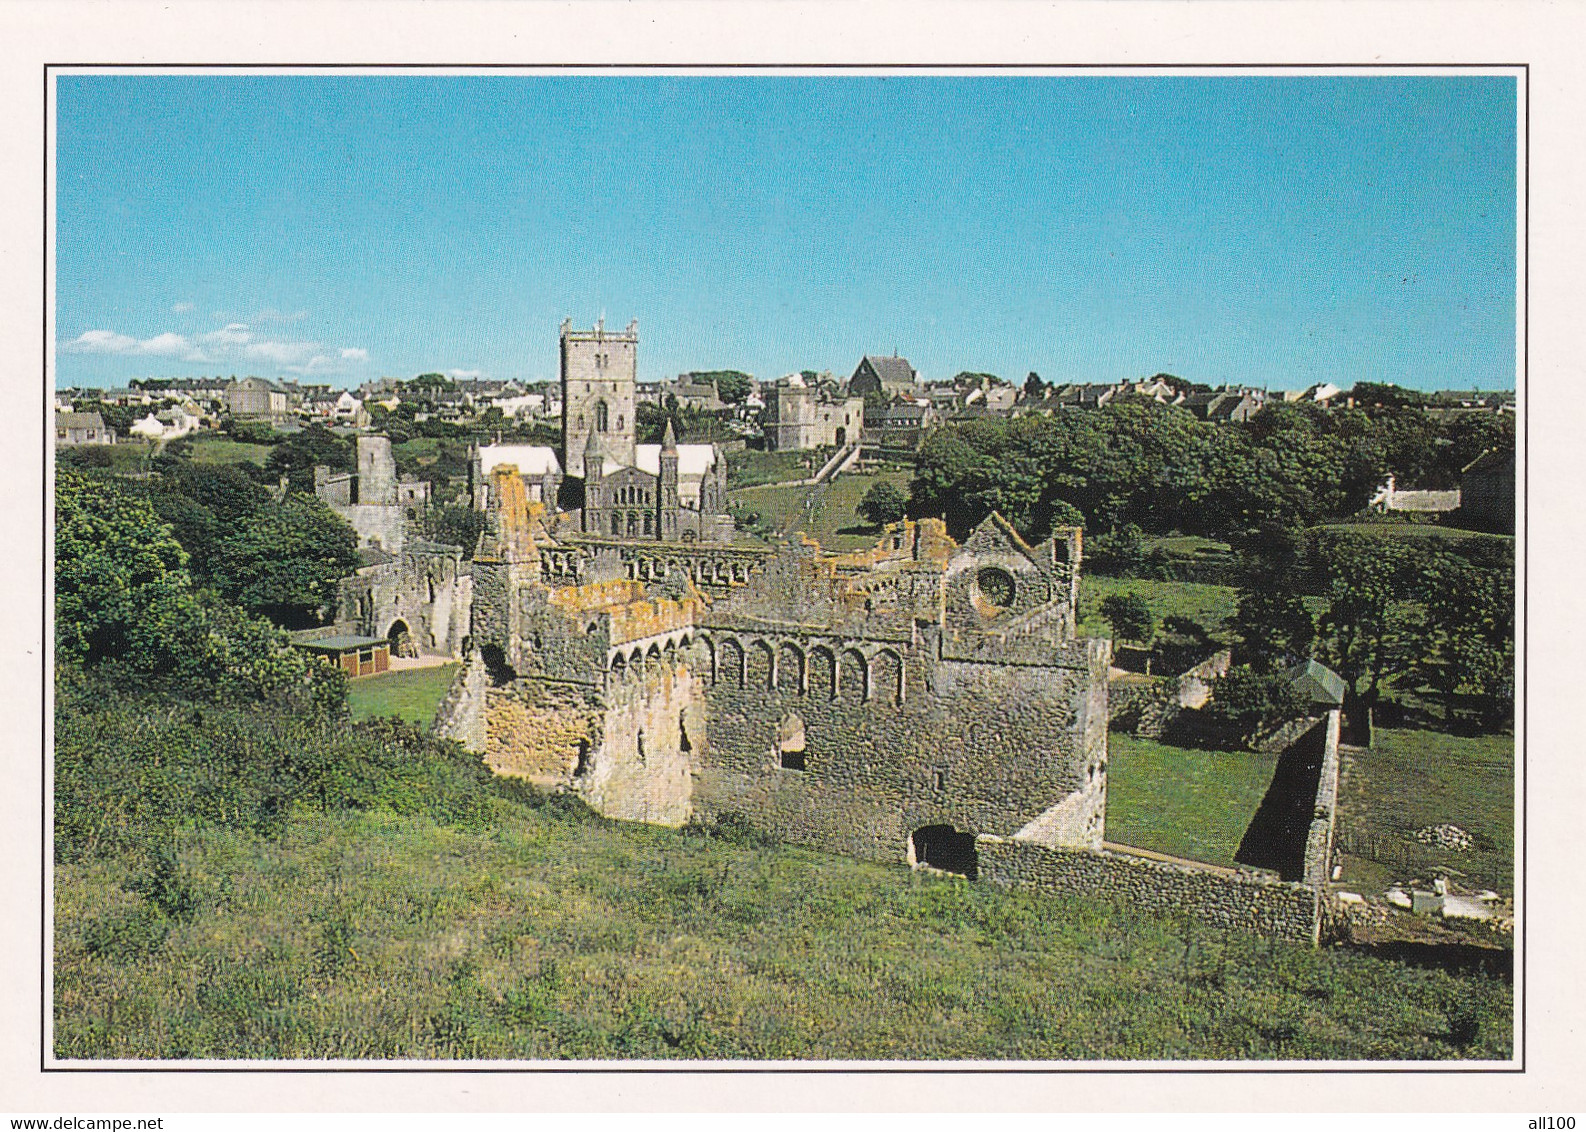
(892, 370)
(342, 644)
(79, 420)
(1318, 683)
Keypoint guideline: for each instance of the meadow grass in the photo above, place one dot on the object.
(1188, 803)
(749, 467)
(1412, 779)
(412, 694)
(222, 450)
(833, 522)
(1208, 605)
(1411, 531)
(546, 933)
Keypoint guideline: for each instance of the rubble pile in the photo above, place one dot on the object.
(1445, 836)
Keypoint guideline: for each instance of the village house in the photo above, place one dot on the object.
(72, 429)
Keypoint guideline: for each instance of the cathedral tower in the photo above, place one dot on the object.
(599, 372)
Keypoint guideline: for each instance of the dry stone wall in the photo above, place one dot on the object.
(1213, 897)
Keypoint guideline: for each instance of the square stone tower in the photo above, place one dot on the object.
(599, 371)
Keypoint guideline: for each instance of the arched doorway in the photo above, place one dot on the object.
(401, 638)
(790, 742)
(943, 847)
(842, 437)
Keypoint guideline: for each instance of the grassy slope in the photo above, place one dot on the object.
(1411, 530)
(221, 450)
(750, 466)
(833, 522)
(1412, 779)
(1193, 804)
(550, 934)
(412, 695)
(1211, 606)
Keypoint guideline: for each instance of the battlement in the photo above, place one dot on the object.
(632, 616)
(599, 333)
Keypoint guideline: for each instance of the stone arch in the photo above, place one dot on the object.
(636, 661)
(853, 677)
(790, 667)
(401, 638)
(670, 652)
(729, 663)
(759, 666)
(822, 679)
(653, 654)
(619, 667)
(886, 677)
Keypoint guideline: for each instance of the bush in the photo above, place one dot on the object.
(882, 504)
(1248, 701)
(1131, 618)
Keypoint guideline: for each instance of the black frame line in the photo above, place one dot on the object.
(962, 70)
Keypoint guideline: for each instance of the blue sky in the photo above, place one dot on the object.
(1271, 230)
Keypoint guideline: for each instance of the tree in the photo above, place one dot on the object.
(123, 596)
(1131, 618)
(1366, 630)
(1249, 701)
(732, 386)
(114, 562)
(297, 456)
(1272, 623)
(1034, 387)
(883, 503)
(287, 560)
(455, 525)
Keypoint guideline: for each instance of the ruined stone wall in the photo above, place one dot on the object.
(1319, 841)
(894, 739)
(428, 588)
(537, 729)
(461, 715)
(1214, 897)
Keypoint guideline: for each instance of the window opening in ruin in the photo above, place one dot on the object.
(582, 766)
(996, 586)
(496, 667)
(616, 524)
(790, 742)
(943, 847)
(941, 781)
(601, 419)
(682, 734)
(641, 746)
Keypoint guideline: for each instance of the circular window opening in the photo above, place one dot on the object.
(996, 586)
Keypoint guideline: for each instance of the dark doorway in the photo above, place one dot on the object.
(943, 847)
(842, 437)
(401, 639)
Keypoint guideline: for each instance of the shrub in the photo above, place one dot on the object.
(1131, 618)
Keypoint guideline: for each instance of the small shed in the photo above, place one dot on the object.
(357, 656)
(1317, 683)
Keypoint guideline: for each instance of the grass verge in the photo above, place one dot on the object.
(1188, 803)
(1412, 779)
(412, 694)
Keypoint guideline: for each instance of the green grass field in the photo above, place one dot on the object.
(223, 450)
(1187, 803)
(413, 694)
(1210, 606)
(749, 467)
(543, 932)
(1413, 779)
(833, 522)
(1410, 530)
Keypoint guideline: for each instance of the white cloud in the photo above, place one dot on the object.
(282, 353)
(463, 374)
(355, 354)
(232, 334)
(167, 345)
(102, 342)
(181, 308)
